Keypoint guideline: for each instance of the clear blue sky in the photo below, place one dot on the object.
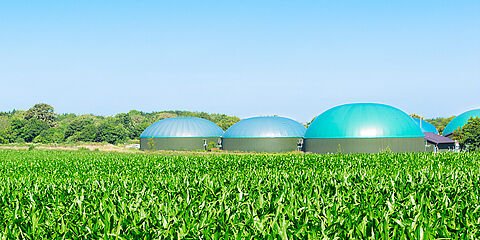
(246, 58)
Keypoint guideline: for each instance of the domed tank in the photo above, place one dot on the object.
(426, 126)
(180, 133)
(364, 128)
(459, 121)
(264, 134)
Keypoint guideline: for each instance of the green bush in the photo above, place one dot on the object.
(32, 129)
(469, 135)
(52, 135)
(211, 145)
(109, 132)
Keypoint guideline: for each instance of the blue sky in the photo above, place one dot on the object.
(245, 58)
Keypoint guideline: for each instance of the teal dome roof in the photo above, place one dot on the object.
(182, 127)
(363, 120)
(460, 120)
(426, 126)
(265, 127)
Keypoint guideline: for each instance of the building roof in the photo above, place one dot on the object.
(460, 120)
(437, 139)
(182, 127)
(265, 127)
(426, 126)
(363, 120)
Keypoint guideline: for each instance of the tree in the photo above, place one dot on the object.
(32, 129)
(51, 135)
(42, 112)
(414, 115)
(440, 123)
(128, 124)
(15, 131)
(21, 126)
(469, 135)
(227, 122)
(5, 136)
(137, 119)
(163, 115)
(110, 132)
(138, 129)
(82, 129)
(4, 122)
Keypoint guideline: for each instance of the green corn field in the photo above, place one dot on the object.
(92, 195)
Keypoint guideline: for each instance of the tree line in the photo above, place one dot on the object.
(40, 124)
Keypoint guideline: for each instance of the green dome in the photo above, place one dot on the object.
(363, 120)
(460, 120)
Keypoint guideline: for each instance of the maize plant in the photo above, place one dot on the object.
(93, 195)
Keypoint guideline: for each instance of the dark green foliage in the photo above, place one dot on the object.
(469, 135)
(7, 135)
(4, 136)
(87, 134)
(42, 112)
(82, 129)
(95, 195)
(225, 122)
(440, 123)
(128, 126)
(79, 124)
(51, 135)
(21, 130)
(32, 129)
(16, 125)
(109, 131)
(138, 128)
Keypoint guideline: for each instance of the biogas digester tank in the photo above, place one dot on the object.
(460, 121)
(263, 134)
(180, 133)
(364, 128)
(426, 126)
